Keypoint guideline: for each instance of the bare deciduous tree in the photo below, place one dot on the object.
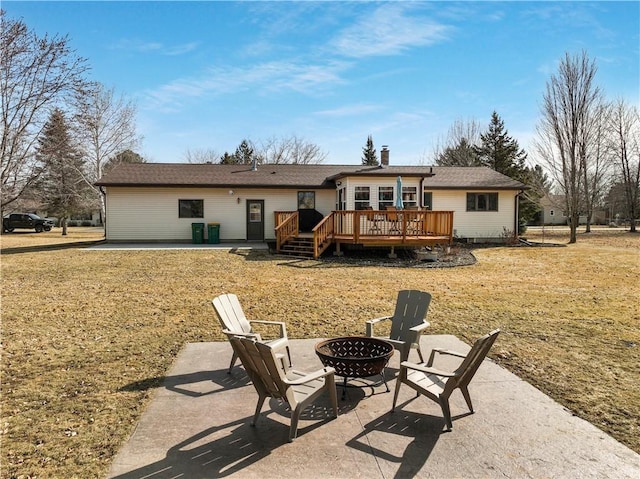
(625, 146)
(36, 73)
(293, 150)
(105, 127)
(569, 104)
(457, 148)
(201, 155)
(596, 160)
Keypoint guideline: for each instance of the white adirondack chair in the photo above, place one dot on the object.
(233, 320)
(297, 389)
(407, 323)
(437, 384)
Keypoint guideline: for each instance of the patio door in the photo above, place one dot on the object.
(255, 220)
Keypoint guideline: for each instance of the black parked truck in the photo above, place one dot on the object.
(26, 221)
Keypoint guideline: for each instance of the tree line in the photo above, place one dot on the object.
(587, 149)
(274, 150)
(60, 130)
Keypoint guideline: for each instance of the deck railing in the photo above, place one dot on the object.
(365, 225)
(286, 227)
(370, 227)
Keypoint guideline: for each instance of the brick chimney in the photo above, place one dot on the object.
(384, 156)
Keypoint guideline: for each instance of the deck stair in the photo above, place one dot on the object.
(299, 247)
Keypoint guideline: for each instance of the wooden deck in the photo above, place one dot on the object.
(404, 228)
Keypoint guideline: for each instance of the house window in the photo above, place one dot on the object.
(482, 201)
(385, 197)
(362, 197)
(191, 208)
(255, 212)
(409, 196)
(306, 200)
(427, 200)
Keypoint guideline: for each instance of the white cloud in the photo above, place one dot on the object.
(138, 46)
(264, 77)
(390, 30)
(180, 49)
(349, 110)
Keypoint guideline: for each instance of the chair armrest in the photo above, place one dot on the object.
(450, 353)
(231, 334)
(426, 369)
(320, 373)
(371, 322)
(280, 324)
(443, 351)
(421, 327)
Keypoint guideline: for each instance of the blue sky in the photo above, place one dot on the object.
(205, 75)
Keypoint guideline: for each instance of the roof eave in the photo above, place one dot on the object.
(209, 185)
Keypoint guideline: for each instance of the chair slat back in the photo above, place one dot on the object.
(266, 367)
(478, 353)
(247, 362)
(274, 366)
(230, 313)
(411, 310)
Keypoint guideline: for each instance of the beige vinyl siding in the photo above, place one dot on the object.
(477, 224)
(151, 214)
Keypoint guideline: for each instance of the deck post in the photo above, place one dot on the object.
(337, 252)
(393, 254)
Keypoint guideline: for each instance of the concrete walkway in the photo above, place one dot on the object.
(197, 426)
(243, 245)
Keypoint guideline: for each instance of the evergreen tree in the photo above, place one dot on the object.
(369, 155)
(228, 159)
(462, 154)
(63, 187)
(500, 152)
(126, 156)
(244, 155)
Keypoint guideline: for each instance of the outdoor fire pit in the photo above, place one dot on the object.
(355, 357)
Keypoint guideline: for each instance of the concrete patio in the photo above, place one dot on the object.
(197, 426)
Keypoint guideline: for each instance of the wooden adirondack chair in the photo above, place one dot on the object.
(407, 322)
(297, 389)
(233, 320)
(437, 384)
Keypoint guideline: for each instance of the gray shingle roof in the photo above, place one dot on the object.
(296, 176)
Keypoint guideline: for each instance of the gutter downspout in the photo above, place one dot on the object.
(421, 197)
(517, 215)
(104, 199)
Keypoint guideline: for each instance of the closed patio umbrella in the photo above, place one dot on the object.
(399, 204)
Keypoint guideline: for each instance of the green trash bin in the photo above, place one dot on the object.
(197, 233)
(214, 233)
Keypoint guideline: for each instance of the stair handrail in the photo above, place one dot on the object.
(321, 233)
(286, 227)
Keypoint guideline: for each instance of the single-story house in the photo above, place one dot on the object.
(160, 201)
(554, 212)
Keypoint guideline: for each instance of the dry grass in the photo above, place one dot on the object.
(87, 335)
